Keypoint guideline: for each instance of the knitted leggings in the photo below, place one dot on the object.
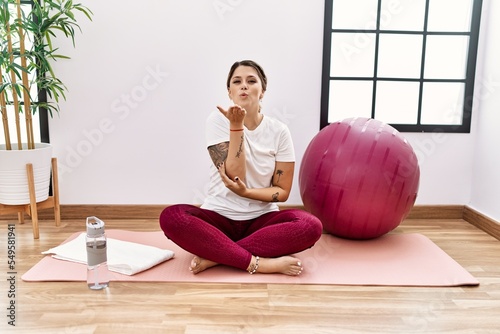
(214, 237)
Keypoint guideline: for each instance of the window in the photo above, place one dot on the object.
(40, 118)
(408, 63)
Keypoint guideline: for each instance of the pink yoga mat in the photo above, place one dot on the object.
(393, 260)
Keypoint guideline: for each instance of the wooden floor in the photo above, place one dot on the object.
(53, 307)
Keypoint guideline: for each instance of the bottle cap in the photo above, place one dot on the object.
(95, 226)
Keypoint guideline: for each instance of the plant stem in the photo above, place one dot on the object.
(26, 84)
(13, 81)
(5, 119)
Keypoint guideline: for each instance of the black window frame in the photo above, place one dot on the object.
(465, 127)
(42, 97)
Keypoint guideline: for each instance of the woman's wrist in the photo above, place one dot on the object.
(236, 126)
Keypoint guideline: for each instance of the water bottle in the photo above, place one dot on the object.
(97, 266)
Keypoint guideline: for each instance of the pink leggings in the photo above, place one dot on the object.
(214, 237)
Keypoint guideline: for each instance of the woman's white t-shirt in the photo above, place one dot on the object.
(270, 142)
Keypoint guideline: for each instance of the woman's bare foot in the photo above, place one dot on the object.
(199, 264)
(287, 265)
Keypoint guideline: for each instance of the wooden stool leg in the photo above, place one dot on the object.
(34, 212)
(55, 192)
(20, 217)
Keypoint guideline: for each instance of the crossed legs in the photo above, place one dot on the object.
(261, 245)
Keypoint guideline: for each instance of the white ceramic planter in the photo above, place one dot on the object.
(14, 179)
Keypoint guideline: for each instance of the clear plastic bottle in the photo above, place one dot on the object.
(97, 265)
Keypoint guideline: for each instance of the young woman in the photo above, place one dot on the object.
(239, 224)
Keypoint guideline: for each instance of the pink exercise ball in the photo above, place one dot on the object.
(360, 177)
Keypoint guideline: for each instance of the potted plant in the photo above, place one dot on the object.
(29, 85)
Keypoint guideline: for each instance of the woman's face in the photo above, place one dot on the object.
(245, 87)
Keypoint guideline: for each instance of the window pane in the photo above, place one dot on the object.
(349, 99)
(400, 56)
(13, 16)
(12, 127)
(352, 55)
(354, 14)
(446, 57)
(402, 15)
(442, 103)
(28, 38)
(28, 43)
(397, 102)
(449, 15)
(415, 59)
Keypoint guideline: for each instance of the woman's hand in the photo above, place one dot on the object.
(237, 186)
(235, 114)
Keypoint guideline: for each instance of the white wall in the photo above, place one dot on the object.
(486, 176)
(126, 136)
(445, 167)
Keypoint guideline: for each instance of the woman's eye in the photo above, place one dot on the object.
(236, 81)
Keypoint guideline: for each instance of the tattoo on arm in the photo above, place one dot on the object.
(279, 172)
(240, 148)
(275, 197)
(218, 153)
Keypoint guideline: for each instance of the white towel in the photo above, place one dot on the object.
(124, 257)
